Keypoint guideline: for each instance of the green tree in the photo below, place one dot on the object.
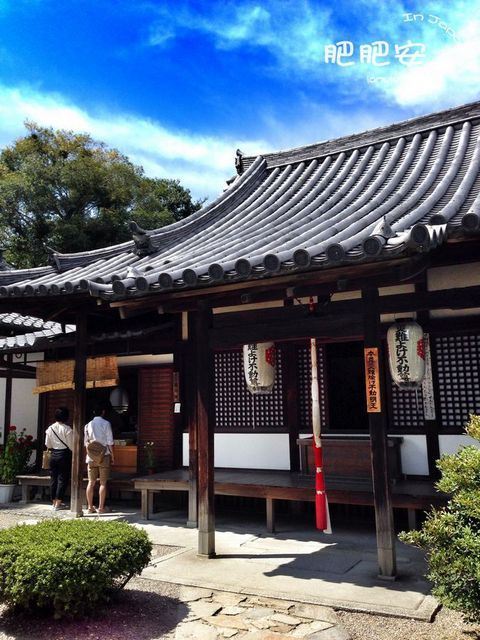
(451, 536)
(67, 191)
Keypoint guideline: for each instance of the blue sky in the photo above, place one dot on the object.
(178, 86)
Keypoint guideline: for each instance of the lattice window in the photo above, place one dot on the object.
(304, 377)
(458, 362)
(236, 409)
(407, 408)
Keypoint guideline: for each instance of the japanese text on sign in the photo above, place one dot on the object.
(372, 380)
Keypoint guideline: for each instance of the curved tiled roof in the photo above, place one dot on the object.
(376, 195)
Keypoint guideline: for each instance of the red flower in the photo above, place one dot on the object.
(29, 437)
(12, 428)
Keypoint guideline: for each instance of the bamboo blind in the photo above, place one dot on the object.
(54, 376)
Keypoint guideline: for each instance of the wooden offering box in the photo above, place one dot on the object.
(125, 459)
(347, 457)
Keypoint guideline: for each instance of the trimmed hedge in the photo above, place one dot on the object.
(69, 566)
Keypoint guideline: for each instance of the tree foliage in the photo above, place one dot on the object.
(451, 536)
(65, 190)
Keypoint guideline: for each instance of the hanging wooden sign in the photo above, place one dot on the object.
(427, 384)
(372, 380)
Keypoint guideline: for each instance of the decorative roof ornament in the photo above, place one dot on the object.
(142, 239)
(239, 161)
(53, 258)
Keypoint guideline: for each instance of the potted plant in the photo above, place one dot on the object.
(150, 461)
(14, 459)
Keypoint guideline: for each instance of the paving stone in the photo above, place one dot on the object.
(203, 609)
(229, 622)
(279, 605)
(315, 612)
(334, 633)
(265, 635)
(305, 629)
(283, 618)
(195, 630)
(281, 628)
(228, 599)
(190, 594)
(232, 611)
(229, 633)
(258, 612)
(263, 623)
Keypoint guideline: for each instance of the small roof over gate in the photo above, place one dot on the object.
(377, 195)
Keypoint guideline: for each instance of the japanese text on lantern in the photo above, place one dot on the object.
(372, 380)
(401, 350)
(253, 364)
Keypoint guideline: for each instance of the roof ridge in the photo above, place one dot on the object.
(378, 135)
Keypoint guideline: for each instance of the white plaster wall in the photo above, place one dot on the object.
(451, 444)
(413, 452)
(248, 450)
(24, 405)
(135, 361)
(452, 277)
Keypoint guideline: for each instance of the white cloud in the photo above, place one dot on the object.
(293, 31)
(201, 162)
(452, 72)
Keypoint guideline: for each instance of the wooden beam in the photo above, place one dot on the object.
(321, 327)
(378, 438)
(205, 433)
(80, 379)
(191, 423)
(8, 398)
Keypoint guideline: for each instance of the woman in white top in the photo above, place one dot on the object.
(59, 438)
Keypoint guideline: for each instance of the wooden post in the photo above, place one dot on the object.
(289, 368)
(205, 432)
(80, 381)
(191, 423)
(8, 398)
(378, 442)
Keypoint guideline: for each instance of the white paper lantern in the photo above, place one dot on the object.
(406, 354)
(119, 400)
(259, 366)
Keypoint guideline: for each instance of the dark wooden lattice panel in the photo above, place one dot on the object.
(458, 362)
(406, 408)
(304, 378)
(236, 409)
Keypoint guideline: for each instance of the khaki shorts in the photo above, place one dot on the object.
(101, 470)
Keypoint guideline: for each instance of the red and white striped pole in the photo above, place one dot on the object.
(321, 503)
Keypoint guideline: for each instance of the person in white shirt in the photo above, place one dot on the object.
(59, 438)
(99, 430)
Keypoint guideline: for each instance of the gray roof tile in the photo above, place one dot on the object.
(376, 195)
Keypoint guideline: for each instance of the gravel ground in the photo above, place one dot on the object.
(448, 625)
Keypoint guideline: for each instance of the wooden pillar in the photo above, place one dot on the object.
(205, 432)
(8, 398)
(80, 380)
(289, 368)
(378, 442)
(191, 420)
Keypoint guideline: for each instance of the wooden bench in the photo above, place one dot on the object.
(284, 485)
(118, 482)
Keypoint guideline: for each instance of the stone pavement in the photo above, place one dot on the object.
(214, 615)
(264, 587)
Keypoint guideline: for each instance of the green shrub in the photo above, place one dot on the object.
(451, 536)
(69, 566)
